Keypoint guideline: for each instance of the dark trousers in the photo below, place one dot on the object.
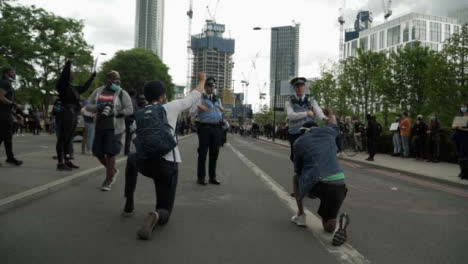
(6, 135)
(435, 149)
(371, 147)
(292, 138)
(209, 139)
(164, 174)
(128, 136)
(66, 124)
(420, 142)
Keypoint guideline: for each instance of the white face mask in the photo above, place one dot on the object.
(463, 109)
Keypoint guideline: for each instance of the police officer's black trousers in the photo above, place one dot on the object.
(209, 139)
(6, 134)
(66, 124)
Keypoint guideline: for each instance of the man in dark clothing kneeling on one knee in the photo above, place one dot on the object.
(163, 168)
(317, 172)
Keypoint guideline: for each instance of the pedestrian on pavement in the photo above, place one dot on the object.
(225, 130)
(318, 172)
(405, 131)
(434, 132)
(129, 121)
(88, 118)
(460, 137)
(396, 138)
(7, 107)
(161, 167)
(419, 138)
(111, 104)
(358, 132)
(300, 109)
(209, 129)
(66, 118)
(371, 133)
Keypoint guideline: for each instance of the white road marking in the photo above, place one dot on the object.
(344, 254)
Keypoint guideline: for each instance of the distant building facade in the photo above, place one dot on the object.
(430, 31)
(149, 25)
(286, 56)
(212, 54)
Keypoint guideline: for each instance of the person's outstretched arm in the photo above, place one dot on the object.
(177, 106)
(63, 82)
(85, 87)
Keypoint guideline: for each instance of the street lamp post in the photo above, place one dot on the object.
(97, 57)
(276, 78)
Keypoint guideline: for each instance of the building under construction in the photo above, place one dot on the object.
(212, 54)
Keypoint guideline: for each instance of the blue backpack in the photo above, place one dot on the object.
(154, 138)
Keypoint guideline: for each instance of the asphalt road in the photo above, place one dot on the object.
(395, 219)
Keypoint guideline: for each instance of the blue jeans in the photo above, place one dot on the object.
(90, 135)
(405, 142)
(396, 143)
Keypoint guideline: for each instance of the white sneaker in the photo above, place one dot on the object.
(299, 220)
(114, 178)
(106, 188)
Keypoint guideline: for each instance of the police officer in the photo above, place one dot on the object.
(7, 103)
(209, 127)
(300, 109)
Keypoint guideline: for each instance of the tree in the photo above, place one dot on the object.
(361, 77)
(136, 67)
(36, 42)
(456, 52)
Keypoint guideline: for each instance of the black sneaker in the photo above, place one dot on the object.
(71, 165)
(214, 182)
(63, 167)
(14, 162)
(128, 209)
(340, 236)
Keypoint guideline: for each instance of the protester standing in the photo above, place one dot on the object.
(111, 104)
(420, 132)
(371, 132)
(66, 119)
(396, 138)
(405, 131)
(7, 108)
(460, 137)
(434, 132)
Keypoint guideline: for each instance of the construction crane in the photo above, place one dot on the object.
(341, 20)
(387, 9)
(189, 43)
(213, 15)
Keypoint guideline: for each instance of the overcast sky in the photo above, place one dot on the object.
(109, 27)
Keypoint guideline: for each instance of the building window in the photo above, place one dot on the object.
(381, 40)
(436, 31)
(364, 43)
(447, 32)
(418, 31)
(456, 29)
(373, 42)
(393, 36)
(353, 48)
(406, 32)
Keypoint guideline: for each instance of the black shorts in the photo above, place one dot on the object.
(106, 143)
(331, 198)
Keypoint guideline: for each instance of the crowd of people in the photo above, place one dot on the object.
(112, 115)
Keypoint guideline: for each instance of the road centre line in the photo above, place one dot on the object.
(344, 254)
